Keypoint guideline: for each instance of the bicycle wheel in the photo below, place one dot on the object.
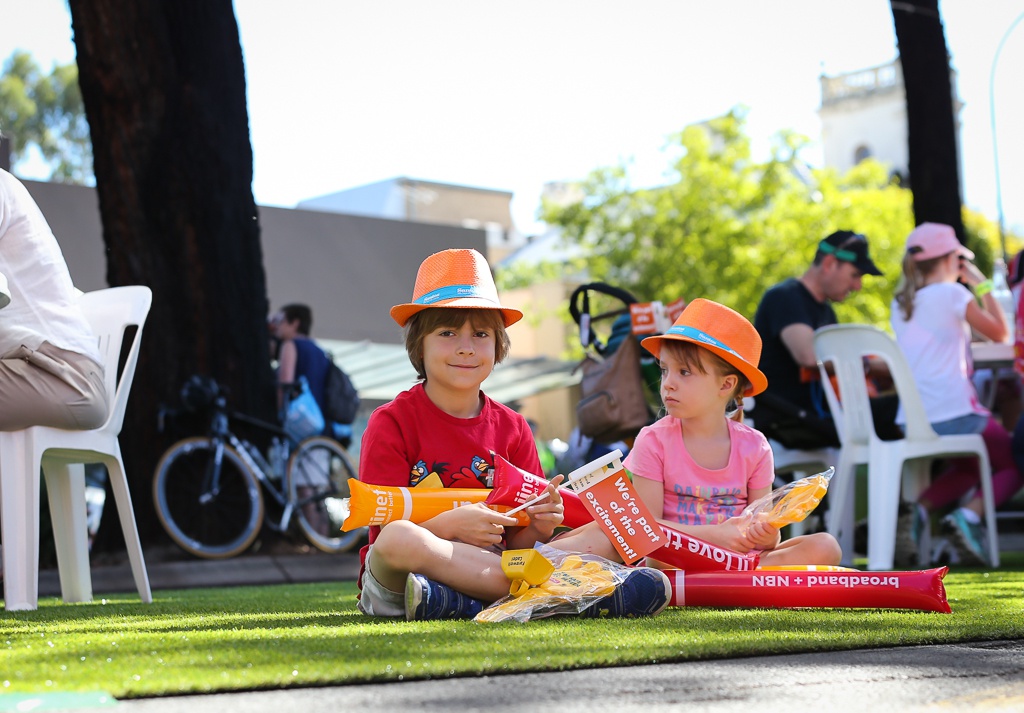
(318, 474)
(210, 512)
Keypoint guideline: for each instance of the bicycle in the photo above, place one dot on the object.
(208, 490)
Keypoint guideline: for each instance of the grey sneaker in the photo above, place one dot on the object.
(860, 536)
(644, 592)
(426, 600)
(910, 526)
(966, 538)
(944, 553)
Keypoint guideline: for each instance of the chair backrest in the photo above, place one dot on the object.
(844, 346)
(110, 313)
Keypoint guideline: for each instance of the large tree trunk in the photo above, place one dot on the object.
(931, 130)
(164, 90)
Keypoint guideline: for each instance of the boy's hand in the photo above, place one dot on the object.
(476, 524)
(548, 513)
(545, 516)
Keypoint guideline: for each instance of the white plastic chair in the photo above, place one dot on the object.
(844, 346)
(61, 455)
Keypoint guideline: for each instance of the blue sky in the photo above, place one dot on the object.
(511, 95)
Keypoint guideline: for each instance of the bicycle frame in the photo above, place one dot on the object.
(220, 432)
(220, 507)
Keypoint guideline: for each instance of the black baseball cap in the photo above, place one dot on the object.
(851, 247)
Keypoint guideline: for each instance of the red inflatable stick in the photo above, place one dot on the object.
(514, 486)
(696, 555)
(784, 589)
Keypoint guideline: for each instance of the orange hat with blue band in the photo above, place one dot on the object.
(459, 278)
(723, 332)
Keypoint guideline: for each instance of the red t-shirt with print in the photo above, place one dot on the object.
(409, 438)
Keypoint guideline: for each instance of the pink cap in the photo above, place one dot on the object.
(930, 240)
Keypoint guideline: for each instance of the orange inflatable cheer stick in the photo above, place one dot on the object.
(380, 504)
(791, 503)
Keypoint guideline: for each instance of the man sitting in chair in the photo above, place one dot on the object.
(50, 373)
(793, 410)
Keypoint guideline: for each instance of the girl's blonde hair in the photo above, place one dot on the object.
(423, 323)
(915, 272)
(697, 358)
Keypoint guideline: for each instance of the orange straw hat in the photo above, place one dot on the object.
(722, 332)
(458, 278)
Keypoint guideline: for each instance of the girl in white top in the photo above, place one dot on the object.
(932, 317)
(49, 370)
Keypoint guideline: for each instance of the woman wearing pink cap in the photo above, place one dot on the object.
(932, 317)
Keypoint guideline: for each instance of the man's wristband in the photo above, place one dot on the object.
(983, 288)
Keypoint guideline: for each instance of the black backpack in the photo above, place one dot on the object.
(341, 400)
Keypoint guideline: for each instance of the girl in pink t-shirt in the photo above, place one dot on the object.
(695, 468)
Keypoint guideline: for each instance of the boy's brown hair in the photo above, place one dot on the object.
(423, 323)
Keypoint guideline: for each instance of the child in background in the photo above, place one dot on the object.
(450, 565)
(695, 468)
(932, 316)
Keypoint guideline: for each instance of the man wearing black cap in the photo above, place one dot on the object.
(793, 410)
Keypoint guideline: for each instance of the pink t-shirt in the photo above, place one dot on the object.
(695, 495)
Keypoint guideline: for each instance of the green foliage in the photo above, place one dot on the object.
(524, 274)
(46, 111)
(727, 227)
(251, 638)
(983, 239)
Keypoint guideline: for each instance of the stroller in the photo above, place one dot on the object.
(619, 377)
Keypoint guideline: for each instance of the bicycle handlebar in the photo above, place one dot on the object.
(219, 406)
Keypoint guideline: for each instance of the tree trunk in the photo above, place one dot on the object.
(164, 90)
(931, 131)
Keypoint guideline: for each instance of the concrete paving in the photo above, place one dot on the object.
(988, 676)
(169, 569)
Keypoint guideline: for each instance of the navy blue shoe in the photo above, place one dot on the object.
(644, 592)
(426, 599)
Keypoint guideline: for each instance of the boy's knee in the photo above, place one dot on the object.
(396, 540)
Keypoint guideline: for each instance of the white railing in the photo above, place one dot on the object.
(861, 82)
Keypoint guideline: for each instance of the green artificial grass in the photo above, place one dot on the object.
(243, 638)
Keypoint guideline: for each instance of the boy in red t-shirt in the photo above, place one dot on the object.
(450, 565)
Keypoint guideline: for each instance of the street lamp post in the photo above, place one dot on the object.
(995, 143)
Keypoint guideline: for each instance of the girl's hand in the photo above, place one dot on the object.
(474, 524)
(970, 273)
(762, 536)
(729, 534)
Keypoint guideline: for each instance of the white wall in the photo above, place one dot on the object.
(878, 121)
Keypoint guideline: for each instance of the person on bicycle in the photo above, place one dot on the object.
(297, 354)
(450, 565)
